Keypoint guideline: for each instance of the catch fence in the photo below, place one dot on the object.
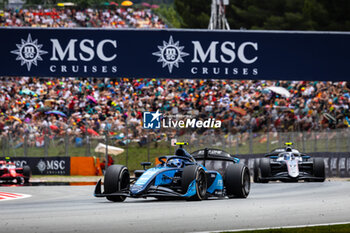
(146, 145)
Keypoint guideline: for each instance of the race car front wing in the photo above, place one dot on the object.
(285, 176)
(152, 191)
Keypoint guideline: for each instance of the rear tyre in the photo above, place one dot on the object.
(117, 178)
(237, 181)
(256, 171)
(197, 173)
(319, 169)
(265, 169)
(27, 173)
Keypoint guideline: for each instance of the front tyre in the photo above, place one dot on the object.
(256, 171)
(265, 169)
(237, 181)
(197, 173)
(117, 178)
(319, 170)
(27, 173)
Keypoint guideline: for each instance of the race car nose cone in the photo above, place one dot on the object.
(293, 169)
(13, 173)
(136, 189)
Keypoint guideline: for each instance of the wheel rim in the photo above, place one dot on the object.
(246, 183)
(124, 183)
(202, 185)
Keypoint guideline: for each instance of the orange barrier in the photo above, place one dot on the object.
(81, 183)
(85, 166)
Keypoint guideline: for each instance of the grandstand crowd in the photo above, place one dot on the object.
(105, 18)
(96, 106)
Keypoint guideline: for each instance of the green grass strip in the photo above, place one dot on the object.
(341, 228)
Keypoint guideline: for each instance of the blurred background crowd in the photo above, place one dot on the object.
(95, 106)
(105, 18)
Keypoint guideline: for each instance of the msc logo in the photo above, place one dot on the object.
(210, 59)
(151, 120)
(29, 52)
(41, 166)
(170, 54)
(52, 165)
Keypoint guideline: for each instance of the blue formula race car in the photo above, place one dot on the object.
(203, 174)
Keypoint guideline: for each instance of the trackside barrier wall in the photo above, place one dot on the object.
(337, 164)
(85, 166)
(45, 165)
(82, 166)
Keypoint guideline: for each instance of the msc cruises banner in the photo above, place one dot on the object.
(174, 54)
(44, 165)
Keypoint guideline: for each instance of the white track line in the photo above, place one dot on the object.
(4, 196)
(268, 228)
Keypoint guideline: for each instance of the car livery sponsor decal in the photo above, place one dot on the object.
(146, 176)
(192, 189)
(165, 177)
(217, 184)
(293, 169)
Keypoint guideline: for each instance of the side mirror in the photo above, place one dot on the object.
(144, 164)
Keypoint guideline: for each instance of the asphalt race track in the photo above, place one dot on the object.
(74, 209)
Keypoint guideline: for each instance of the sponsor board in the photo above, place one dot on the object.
(174, 54)
(45, 166)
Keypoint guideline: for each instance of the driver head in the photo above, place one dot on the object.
(175, 163)
(287, 156)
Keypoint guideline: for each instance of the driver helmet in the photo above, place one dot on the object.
(287, 156)
(175, 163)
